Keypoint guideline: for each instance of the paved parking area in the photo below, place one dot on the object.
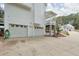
(42, 46)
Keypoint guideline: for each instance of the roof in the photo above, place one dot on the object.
(21, 5)
(50, 14)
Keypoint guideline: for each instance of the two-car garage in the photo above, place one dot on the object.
(18, 30)
(17, 19)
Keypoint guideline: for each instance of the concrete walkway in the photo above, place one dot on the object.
(42, 46)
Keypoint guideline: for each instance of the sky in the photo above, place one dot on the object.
(63, 8)
(60, 8)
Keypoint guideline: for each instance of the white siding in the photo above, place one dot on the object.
(16, 15)
(39, 9)
(39, 13)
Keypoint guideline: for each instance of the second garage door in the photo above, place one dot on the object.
(18, 30)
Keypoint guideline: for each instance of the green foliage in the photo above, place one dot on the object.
(72, 19)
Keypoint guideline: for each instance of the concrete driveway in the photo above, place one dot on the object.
(42, 46)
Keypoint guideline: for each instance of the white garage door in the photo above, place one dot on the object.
(18, 30)
(39, 32)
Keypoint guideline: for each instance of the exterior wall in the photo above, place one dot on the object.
(14, 14)
(39, 9)
(17, 15)
(39, 13)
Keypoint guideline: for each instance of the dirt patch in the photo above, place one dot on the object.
(23, 41)
(10, 43)
(41, 46)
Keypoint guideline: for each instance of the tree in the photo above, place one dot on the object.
(72, 19)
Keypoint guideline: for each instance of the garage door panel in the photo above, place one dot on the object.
(18, 31)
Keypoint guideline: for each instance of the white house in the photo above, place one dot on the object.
(25, 19)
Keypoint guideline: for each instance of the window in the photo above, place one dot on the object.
(25, 26)
(21, 25)
(38, 27)
(1, 24)
(12, 25)
(17, 25)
